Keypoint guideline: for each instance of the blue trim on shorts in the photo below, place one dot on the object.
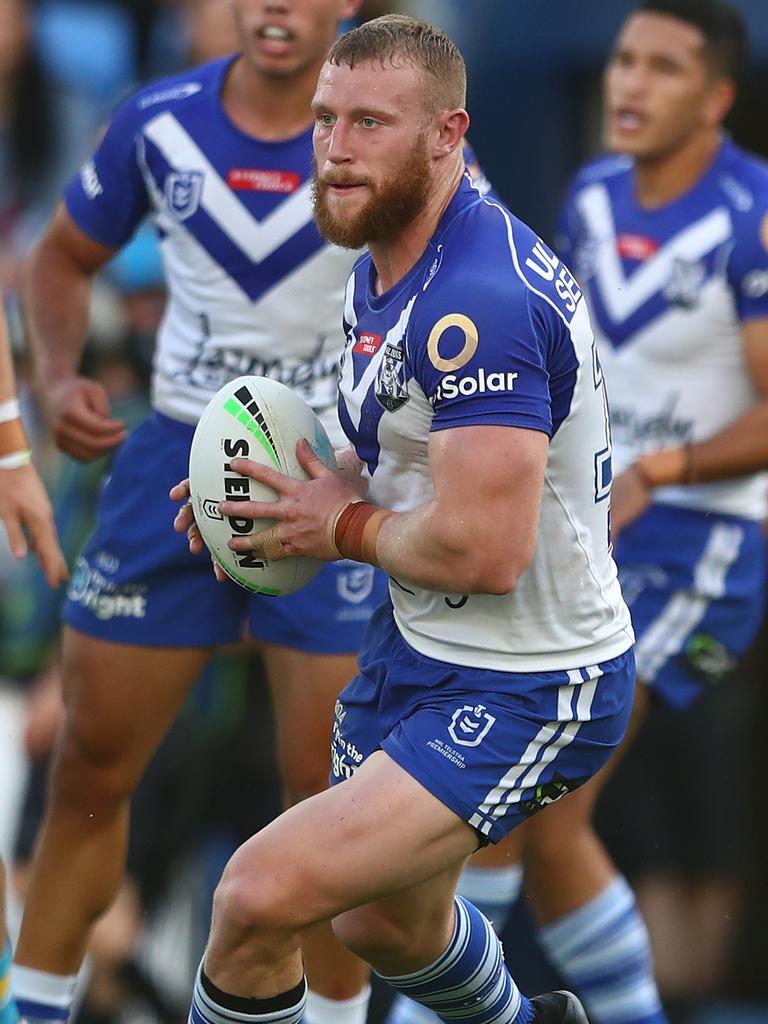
(695, 585)
(136, 582)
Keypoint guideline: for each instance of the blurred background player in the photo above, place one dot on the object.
(220, 158)
(670, 240)
(28, 519)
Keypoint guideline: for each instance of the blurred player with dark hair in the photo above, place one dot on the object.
(669, 238)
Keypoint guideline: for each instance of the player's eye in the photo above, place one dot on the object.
(326, 120)
(368, 122)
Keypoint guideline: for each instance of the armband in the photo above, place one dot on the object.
(356, 531)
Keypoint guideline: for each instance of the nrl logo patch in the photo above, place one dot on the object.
(470, 725)
(182, 192)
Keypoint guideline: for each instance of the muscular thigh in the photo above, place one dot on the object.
(120, 699)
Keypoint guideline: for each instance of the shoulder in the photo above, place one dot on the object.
(602, 170)
(171, 94)
(743, 185)
(499, 266)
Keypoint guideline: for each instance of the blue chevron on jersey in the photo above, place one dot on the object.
(253, 286)
(668, 290)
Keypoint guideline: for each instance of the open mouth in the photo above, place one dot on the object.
(627, 119)
(275, 36)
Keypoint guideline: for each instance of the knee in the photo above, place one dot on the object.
(84, 772)
(257, 896)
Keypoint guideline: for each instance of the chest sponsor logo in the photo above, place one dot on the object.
(368, 345)
(182, 192)
(253, 179)
(470, 725)
(467, 350)
(452, 386)
(179, 92)
(686, 282)
(636, 247)
(391, 384)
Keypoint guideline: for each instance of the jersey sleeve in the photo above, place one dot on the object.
(107, 199)
(481, 358)
(747, 268)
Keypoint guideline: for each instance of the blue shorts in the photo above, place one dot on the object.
(495, 747)
(137, 583)
(694, 583)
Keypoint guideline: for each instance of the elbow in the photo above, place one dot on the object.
(497, 576)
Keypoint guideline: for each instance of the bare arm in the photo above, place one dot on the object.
(24, 506)
(56, 290)
(739, 449)
(476, 535)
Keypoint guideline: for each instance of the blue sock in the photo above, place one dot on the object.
(469, 982)
(604, 952)
(493, 891)
(43, 998)
(212, 1006)
(8, 1012)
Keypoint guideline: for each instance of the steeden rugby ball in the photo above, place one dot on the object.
(259, 419)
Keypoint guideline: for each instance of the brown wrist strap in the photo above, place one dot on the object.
(12, 437)
(357, 529)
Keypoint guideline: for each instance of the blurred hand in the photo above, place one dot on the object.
(630, 497)
(28, 517)
(79, 414)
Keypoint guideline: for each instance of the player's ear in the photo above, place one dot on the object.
(720, 100)
(452, 127)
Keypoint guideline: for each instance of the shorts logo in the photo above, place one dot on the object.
(182, 191)
(355, 583)
(471, 338)
(547, 794)
(470, 725)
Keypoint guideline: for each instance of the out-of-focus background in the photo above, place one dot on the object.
(685, 817)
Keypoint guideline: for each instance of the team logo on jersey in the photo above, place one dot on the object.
(467, 350)
(684, 288)
(368, 345)
(470, 725)
(182, 192)
(253, 179)
(391, 384)
(755, 284)
(355, 583)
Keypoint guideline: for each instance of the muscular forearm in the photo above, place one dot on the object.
(738, 450)
(56, 305)
(436, 550)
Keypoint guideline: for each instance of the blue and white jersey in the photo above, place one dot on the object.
(667, 291)
(253, 288)
(489, 327)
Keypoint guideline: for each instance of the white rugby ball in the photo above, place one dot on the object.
(259, 419)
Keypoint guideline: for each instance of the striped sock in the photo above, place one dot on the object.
(603, 950)
(212, 1006)
(43, 998)
(493, 891)
(8, 1014)
(470, 981)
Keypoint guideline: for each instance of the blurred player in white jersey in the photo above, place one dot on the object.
(26, 514)
(670, 241)
(471, 392)
(220, 159)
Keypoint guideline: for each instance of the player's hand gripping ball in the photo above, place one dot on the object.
(260, 419)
